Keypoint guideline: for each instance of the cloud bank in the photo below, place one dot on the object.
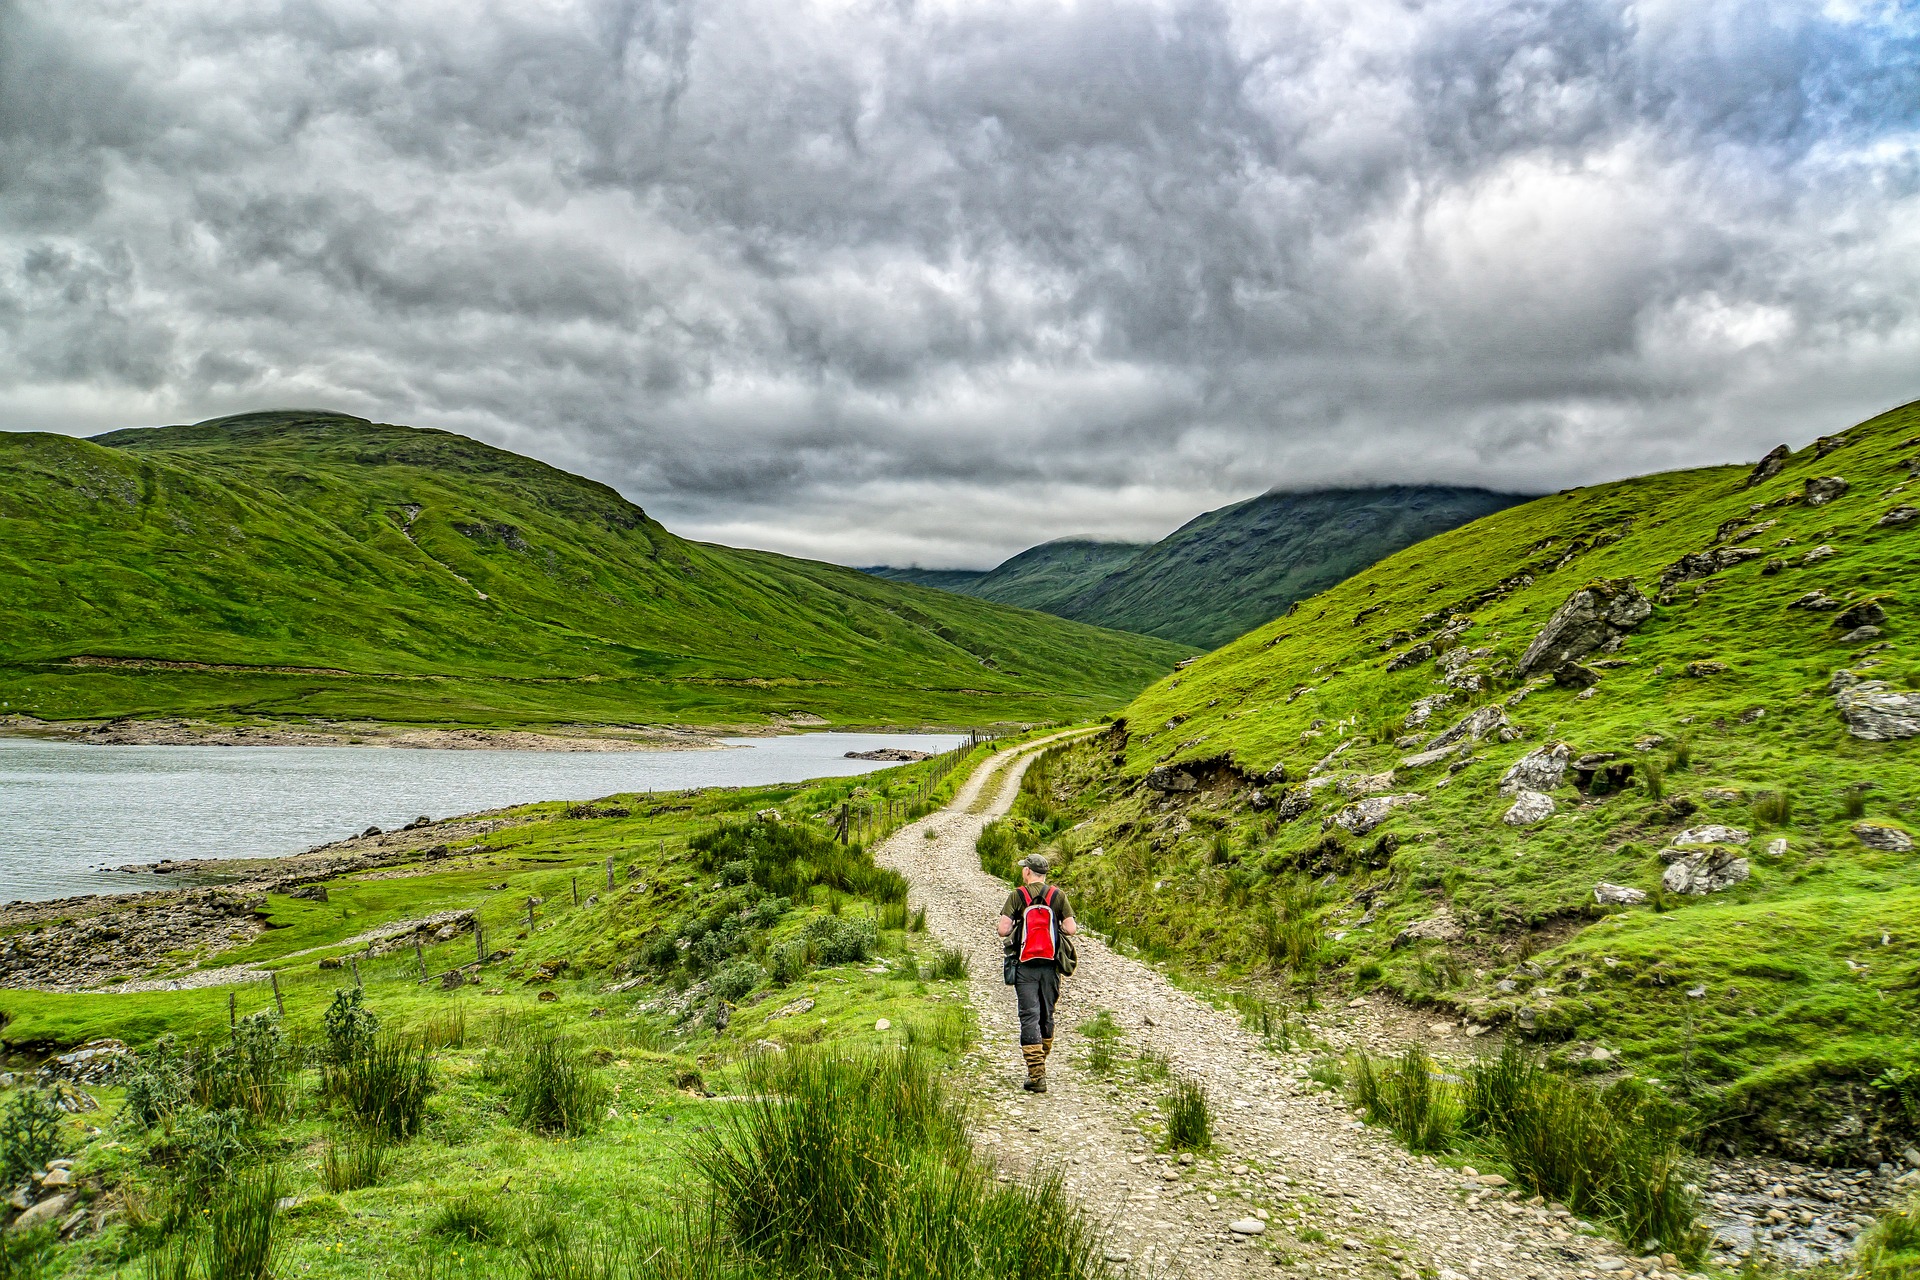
(912, 281)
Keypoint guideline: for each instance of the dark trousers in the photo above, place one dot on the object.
(1036, 985)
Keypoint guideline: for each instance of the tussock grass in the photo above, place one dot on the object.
(846, 1164)
(950, 965)
(949, 1030)
(553, 1086)
(383, 1080)
(1772, 809)
(353, 1160)
(1614, 1156)
(240, 1238)
(475, 1218)
(1890, 1249)
(1102, 1035)
(1189, 1115)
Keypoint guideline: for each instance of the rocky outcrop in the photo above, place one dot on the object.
(1528, 808)
(1618, 895)
(1170, 779)
(1413, 657)
(1422, 710)
(1704, 564)
(1541, 769)
(1819, 492)
(1596, 617)
(1441, 926)
(1768, 467)
(1364, 815)
(1898, 516)
(1469, 728)
(1873, 709)
(899, 754)
(1712, 833)
(1879, 836)
(1861, 613)
(1703, 871)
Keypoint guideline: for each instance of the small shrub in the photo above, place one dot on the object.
(949, 1030)
(918, 922)
(949, 965)
(893, 915)
(1102, 1034)
(1152, 1065)
(473, 1218)
(350, 1025)
(841, 941)
(1855, 801)
(445, 1028)
(996, 847)
(1189, 1116)
(250, 1071)
(159, 1085)
(29, 1134)
(736, 980)
(554, 1087)
(929, 834)
(1681, 758)
(385, 1083)
(788, 963)
(240, 1222)
(204, 1147)
(353, 1160)
(1772, 809)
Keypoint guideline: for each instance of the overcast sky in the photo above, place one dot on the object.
(911, 282)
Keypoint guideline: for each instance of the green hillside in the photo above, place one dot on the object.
(1705, 870)
(406, 575)
(1224, 572)
(1047, 577)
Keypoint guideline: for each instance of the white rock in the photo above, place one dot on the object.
(1777, 848)
(1703, 873)
(1874, 835)
(1712, 833)
(1247, 1226)
(882, 1025)
(1364, 815)
(1618, 894)
(1541, 769)
(1528, 808)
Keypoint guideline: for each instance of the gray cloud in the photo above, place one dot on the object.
(931, 281)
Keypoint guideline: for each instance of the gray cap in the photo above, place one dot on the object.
(1036, 863)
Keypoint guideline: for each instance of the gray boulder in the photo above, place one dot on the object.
(1708, 871)
(1422, 711)
(1597, 616)
(1768, 467)
(48, 1210)
(1887, 839)
(1169, 778)
(1438, 927)
(1617, 895)
(1862, 613)
(1413, 657)
(1821, 491)
(1898, 516)
(1704, 564)
(1422, 759)
(1874, 710)
(1712, 833)
(1363, 816)
(1541, 769)
(1528, 808)
(1470, 728)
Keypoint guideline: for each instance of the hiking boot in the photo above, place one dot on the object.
(1036, 1057)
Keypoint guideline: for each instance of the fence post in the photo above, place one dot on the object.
(576, 891)
(353, 962)
(530, 917)
(609, 875)
(479, 941)
(278, 1003)
(420, 958)
(233, 1010)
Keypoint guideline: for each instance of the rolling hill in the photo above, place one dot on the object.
(1630, 769)
(287, 565)
(1223, 572)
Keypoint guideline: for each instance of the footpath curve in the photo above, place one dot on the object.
(1341, 1199)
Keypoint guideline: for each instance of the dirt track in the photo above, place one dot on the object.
(1341, 1199)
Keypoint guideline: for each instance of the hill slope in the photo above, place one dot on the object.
(1047, 577)
(1224, 572)
(410, 575)
(1706, 864)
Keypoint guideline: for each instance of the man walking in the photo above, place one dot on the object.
(1035, 917)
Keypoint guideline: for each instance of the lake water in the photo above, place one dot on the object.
(70, 811)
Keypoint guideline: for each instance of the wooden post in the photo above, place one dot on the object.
(420, 958)
(278, 1003)
(354, 963)
(529, 917)
(233, 1010)
(479, 942)
(576, 891)
(609, 875)
(845, 814)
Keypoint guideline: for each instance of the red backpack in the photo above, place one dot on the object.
(1038, 928)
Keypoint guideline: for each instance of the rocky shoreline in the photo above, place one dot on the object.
(156, 939)
(327, 733)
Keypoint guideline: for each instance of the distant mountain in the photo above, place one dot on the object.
(1225, 572)
(294, 565)
(1045, 577)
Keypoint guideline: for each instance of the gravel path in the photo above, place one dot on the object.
(1337, 1198)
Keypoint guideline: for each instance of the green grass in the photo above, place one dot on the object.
(1806, 972)
(355, 557)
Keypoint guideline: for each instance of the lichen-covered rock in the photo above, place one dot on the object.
(1470, 728)
(1873, 709)
(1438, 927)
(1413, 657)
(1899, 516)
(1541, 769)
(1768, 467)
(1712, 833)
(1708, 871)
(1597, 616)
(1528, 808)
(1618, 895)
(1876, 835)
(1821, 491)
(1170, 778)
(1704, 564)
(1363, 816)
(1421, 759)
(1366, 784)
(1422, 710)
(1861, 613)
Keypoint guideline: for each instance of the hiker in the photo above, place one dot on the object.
(1032, 922)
